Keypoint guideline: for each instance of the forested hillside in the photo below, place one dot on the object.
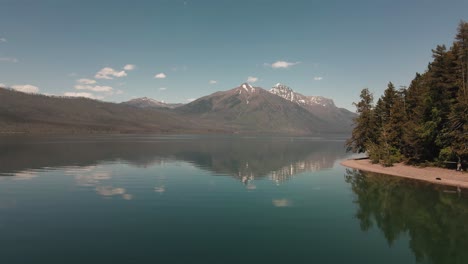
(424, 123)
(35, 113)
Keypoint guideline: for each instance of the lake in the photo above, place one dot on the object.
(215, 199)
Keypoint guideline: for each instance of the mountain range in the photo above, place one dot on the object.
(243, 109)
(240, 157)
(145, 102)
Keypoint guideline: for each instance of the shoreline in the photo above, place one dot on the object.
(428, 174)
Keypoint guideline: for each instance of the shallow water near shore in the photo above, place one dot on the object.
(215, 199)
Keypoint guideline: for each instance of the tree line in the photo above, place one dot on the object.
(426, 122)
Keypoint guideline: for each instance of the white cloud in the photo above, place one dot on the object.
(318, 78)
(109, 73)
(213, 82)
(119, 92)
(86, 81)
(27, 88)
(129, 67)
(162, 88)
(191, 99)
(160, 75)
(3, 85)
(252, 79)
(3, 40)
(281, 64)
(6, 59)
(86, 95)
(95, 88)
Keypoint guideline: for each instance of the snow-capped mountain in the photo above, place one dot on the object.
(243, 109)
(248, 109)
(145, 102)
(246, 87)
(322, 107)
(289, 94)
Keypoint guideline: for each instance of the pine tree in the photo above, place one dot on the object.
(414, 148)
(364, 130)
(437, 101)
(462, 53)
(392, 115)
(428, 122)
(458, 119)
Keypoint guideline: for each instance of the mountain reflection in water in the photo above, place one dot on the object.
(246, 159)
(100, 199)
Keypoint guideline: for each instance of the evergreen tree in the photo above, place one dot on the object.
(428, 122)
(458, 119)
(413, 137)
(364, 130)
(462, 53)
(391, 113)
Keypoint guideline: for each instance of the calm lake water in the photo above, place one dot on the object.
(201, 199)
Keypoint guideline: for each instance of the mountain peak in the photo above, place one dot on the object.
(247, 87)
(146, 102)
(280, 86)
(146, 99)
(283, 91)
(302, 100)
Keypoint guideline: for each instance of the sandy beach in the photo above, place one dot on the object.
(428, 174)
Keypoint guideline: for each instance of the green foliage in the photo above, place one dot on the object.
(384, 154)
(424, 123)
(446, 154)
(375, 152)
(364, 130)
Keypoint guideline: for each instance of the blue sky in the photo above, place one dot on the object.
(328, 48)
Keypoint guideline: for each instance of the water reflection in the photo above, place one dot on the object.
(159, 189)
(109, 191)
(433, 217)
(25, 175)
(97, 178)
(245, 159)
(282, 202)
(92, 179)
(312, 164)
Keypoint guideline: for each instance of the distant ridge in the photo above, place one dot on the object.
(35, 113)
(145, 102)
(243, 109)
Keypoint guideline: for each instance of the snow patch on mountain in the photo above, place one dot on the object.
(145, 102)
(247, 87)
(289, 94)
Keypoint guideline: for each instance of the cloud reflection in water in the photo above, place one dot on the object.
(282, 202)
